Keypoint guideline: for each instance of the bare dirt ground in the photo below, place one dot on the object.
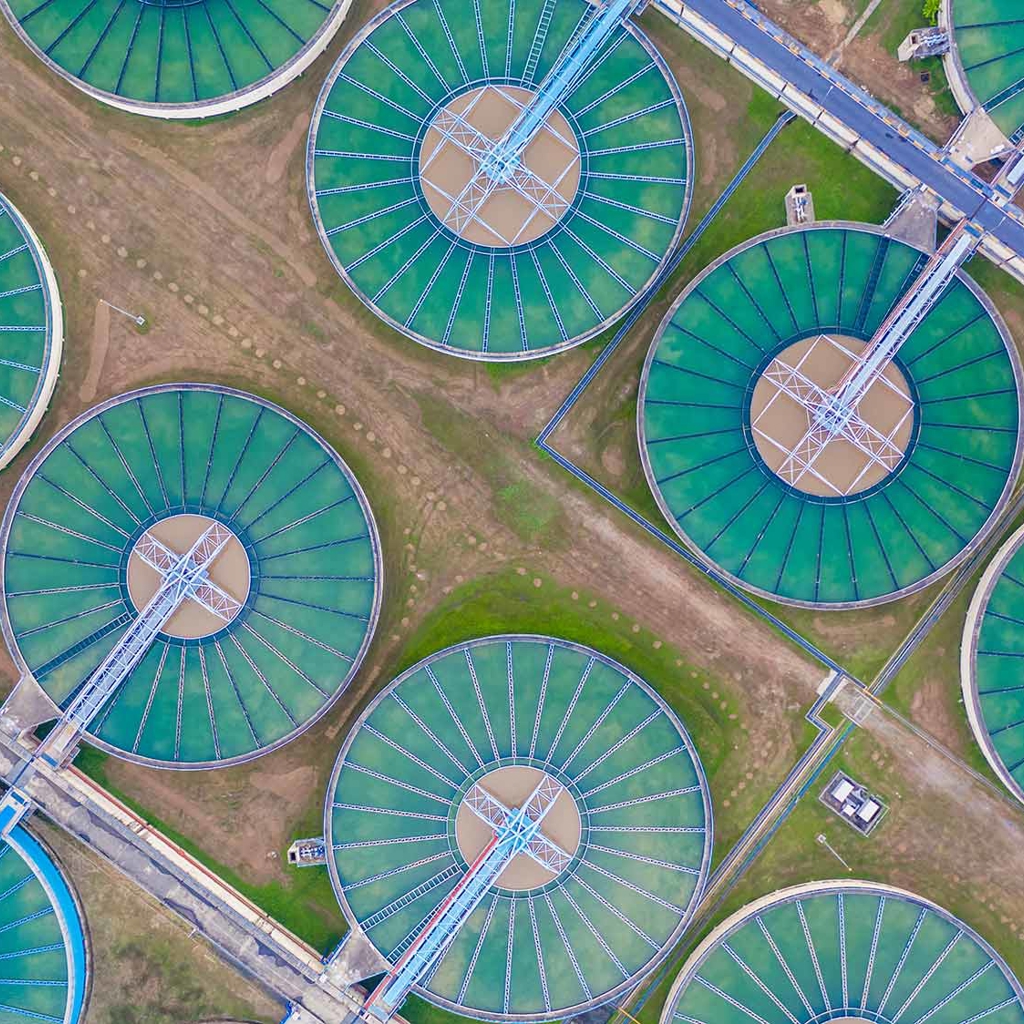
(180, 222)
(870, 58)
(870, 64)
(244, 817)
(939, 812)
(98, 352)
(931, 708)
(147, 967)
(822, 25)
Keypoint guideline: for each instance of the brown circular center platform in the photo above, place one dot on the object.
(512, 786)
(780, 423)
(229, 571)
(466, 201)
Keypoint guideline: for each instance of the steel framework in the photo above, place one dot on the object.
(499, 163)
(515, 832)
(879, 449)
(833, 413)
(183, 578)
(465, 208)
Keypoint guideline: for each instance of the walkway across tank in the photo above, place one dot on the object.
(632, 816)
(990, 664)
(849, 952)
(43, 973)
(718, 435)
(989, 57)
(502, 274)
(300, 565)
(31, 331)
(177, 58)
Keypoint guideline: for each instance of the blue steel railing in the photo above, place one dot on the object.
(574, 59)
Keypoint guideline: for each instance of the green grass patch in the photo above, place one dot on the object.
(794, 856)
(531, 513)
(894, 20)
(843, 189)
(861, 640)
(535, 516)
(938, 86)
(166, 991)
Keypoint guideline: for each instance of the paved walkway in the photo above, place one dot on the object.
(836, 55)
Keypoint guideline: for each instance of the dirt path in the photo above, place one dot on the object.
(282, 152)
(97, 354)
(936, 818)
(193, 186)
(837, 54)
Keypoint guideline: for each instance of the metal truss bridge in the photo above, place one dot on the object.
(499, 165)
(833, 413)
(515, 831)
(499, 162)
(183, 577)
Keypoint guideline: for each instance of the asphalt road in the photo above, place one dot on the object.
(918, 156)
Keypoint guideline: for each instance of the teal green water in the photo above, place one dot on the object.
(170, 52)
(997, 678)
(33, 950)
(25, 335)
(496, 302)
(637, 784)
(720, 495)
(871, 955)
(313, 564)
(990, 40)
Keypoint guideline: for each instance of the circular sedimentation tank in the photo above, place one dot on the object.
(717, 425)
(493, 273)
(301, 559)
(850, 952)
(990, 662)
(634, 816)
(177, 58)
(987, 59)
(31, 331)
(42, 942)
